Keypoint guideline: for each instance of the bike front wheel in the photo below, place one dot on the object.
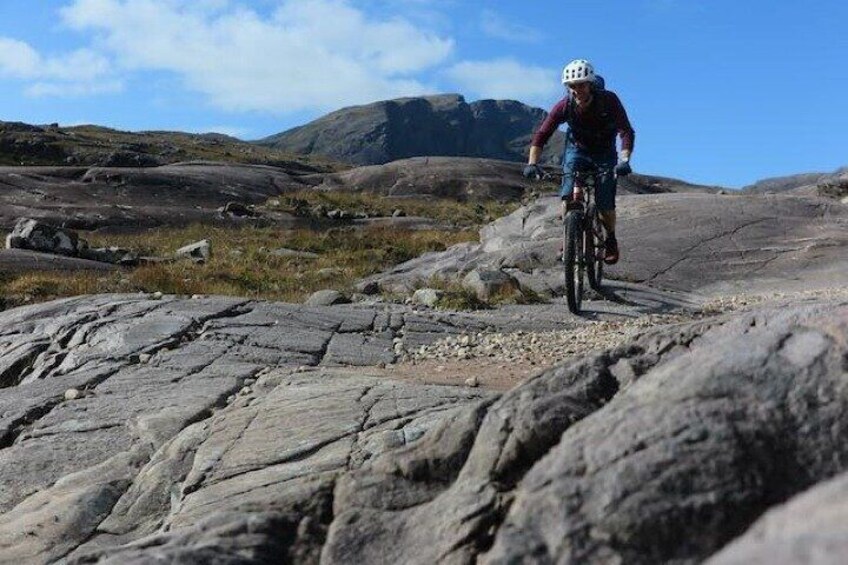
(573, 242)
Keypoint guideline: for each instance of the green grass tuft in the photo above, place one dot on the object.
(242, 263)
(453, 212)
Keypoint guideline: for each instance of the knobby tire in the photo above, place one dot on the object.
(572, 260)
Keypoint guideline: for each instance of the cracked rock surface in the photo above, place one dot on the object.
(710, 243)
(115, 197)
(221, 430)
(187, 410)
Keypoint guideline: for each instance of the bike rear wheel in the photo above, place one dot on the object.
(573, 265)
(594, 249)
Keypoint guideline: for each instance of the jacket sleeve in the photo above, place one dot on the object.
(552, 121)
(622, 123)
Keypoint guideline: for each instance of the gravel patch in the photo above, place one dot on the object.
(503, 360)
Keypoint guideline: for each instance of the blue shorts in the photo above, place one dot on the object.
(576, 159)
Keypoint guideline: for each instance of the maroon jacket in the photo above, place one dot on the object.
(594, 127)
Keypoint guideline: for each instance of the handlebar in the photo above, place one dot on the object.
(594, 171)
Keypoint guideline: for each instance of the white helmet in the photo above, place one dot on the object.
(578, 70)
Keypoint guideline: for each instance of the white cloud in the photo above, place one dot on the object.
(73, 89)
(18, 59)
(497, 27)
(505, 78)
(76, 73)
(286, 57)
(319, 54)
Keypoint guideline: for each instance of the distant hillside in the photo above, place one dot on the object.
(25, 144)
(782, 184)
(444, 125)
(794, 182)
(649, 184)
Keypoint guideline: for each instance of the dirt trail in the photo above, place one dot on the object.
(502, 361)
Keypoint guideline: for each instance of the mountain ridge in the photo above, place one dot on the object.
(444, 125)
(93, 145)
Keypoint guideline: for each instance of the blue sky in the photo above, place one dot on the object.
(720, 92)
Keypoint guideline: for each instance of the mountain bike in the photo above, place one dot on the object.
(583, 238)
(583, 235)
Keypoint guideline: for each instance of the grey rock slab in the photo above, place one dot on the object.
(445, 177)
(280, 535)
(281, 453)
(463, 470)
(408, 276)
(123, 332)
(21, 405)
(121, 198)
(660, 450)
(701, 242)
(693, 449)
(148, 370)
(196, 446)
(16, 261)
(358, 349)
(143, 405)
(809, 528)
(50, 523)
(707, 241)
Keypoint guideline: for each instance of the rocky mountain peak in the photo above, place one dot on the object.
(438, 125)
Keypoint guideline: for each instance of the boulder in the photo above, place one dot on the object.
(237, 210)
(339, 214)
(487, 284)
(368, 288)
(427, 297)
(199, 252)
(326, 297)
(114, 255)
(38, 236)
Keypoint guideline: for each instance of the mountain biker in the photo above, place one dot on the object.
(594, 116)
